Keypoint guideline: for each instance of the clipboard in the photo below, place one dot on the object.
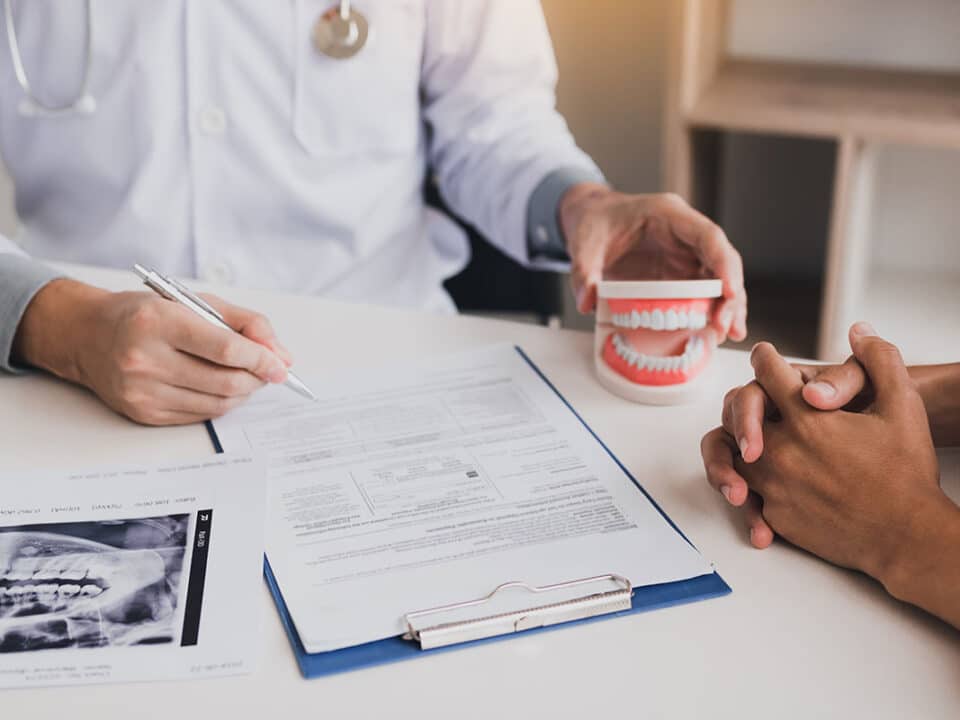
(424, 636)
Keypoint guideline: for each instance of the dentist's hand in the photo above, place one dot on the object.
(615, 236)
(148, 358)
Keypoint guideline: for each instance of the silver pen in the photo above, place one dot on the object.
(171, 289)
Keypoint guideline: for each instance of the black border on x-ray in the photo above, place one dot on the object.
(198, 575)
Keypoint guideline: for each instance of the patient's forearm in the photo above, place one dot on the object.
(926, 572)
(939, 386)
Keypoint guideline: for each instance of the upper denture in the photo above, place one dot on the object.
(666, 315)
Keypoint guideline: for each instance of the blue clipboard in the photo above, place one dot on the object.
(380, 652)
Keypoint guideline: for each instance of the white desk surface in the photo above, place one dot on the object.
(798, 638)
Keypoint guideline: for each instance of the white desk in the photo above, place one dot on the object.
(797, 639)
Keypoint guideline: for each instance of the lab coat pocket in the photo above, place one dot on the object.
(368, 103)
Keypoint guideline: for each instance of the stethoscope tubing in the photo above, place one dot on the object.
(83, 102)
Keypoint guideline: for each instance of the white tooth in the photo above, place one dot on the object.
(634, 319)
(675, 363)
(645, 319)
(685, 363)
(90, 591)
(682, 319)
(30, 589)
(701, 321)
(656, 319)
(74, 574)
(671, 322)
(69, 591)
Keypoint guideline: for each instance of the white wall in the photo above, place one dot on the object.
(894, 33)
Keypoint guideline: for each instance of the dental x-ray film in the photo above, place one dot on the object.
(90, 584)
(130, 574)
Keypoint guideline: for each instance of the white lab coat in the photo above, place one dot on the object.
(225, 147)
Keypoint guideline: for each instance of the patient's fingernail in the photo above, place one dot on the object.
(743, 446)
(823, 388)
(725, 491)
(863, 329)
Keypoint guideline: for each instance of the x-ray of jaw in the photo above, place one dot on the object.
(90, 584)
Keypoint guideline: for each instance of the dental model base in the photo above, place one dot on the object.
(651, 343)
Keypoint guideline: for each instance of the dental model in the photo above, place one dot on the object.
(651, 341)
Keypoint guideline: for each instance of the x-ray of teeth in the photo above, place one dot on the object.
(91, 584)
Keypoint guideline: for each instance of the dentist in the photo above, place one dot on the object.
(284, 145)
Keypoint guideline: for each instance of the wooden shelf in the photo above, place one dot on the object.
(875, 105)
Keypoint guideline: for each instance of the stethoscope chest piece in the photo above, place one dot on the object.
(341, 32)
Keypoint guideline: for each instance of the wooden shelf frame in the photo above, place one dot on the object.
(710, 92)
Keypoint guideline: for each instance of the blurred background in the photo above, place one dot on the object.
(823, 135)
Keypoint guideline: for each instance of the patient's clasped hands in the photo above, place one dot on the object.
(840, 461)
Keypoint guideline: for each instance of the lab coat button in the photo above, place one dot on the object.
(220, 273)
(213, 121)
(541, 237)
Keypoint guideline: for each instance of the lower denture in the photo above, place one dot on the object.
(670, 371)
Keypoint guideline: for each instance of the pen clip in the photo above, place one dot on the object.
(196, 298)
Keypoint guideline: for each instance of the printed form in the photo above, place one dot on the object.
(404, 490)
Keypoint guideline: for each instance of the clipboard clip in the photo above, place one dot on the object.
(423, 627)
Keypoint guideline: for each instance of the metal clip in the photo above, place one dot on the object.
(196, 298)
(450, 633)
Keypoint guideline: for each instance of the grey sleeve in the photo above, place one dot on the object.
(21, 278)
(546, 245)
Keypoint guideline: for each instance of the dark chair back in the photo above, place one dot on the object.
(493, 282)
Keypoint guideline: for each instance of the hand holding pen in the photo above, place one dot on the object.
(173, 290)
(152, 360)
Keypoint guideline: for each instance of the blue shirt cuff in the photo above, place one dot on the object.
(545, 240)
(20, 279)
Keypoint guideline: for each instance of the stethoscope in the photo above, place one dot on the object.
(340, 33)
(83, 103)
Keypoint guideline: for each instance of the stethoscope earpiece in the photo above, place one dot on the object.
(341, 32)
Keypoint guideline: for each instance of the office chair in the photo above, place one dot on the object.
(492, 282)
